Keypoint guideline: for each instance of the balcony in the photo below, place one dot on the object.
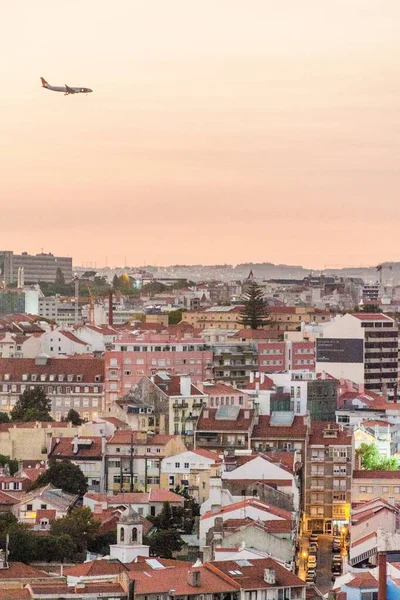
(180, 405)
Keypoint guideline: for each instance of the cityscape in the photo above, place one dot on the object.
(200, 300)
(168, 436)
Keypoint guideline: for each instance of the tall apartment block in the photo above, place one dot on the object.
(361, 347)
(38, 267)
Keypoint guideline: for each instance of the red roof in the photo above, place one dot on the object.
(88, 369)
(33, 473)
(329, 434)
(96, 567)
(70, 336)
(18, 570)
(371, 317)
(172, 386)
(45, 514)
(220, 389)
(254, 503)
(264, 430)
(64, 448)
(208, 422)
(366, 474)
(136, 497)
(207, 454)
(261, 384)
(60, 590)
(252, 576)
(126, 436)
(363, 581)
(364, 539)
(8, 499)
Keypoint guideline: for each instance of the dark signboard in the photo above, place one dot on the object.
(340, 350)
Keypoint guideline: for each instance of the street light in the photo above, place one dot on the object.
(304, 555)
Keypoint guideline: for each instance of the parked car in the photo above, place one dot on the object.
(313, 538)
(336, 547)
(313, 549)
(336, 565)
(311, 576)
(312, 562)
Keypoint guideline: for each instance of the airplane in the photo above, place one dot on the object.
(66, 89)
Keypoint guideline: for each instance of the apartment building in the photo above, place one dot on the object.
(85, 452)
(134, 460)
(68, 383)
(144, 355)
(328, 478)
(220, 394)
(368, 485)
(280, 431)
(224, 427)
(361, 347)
(275, 356)
(234, 363)
(39, 267)
(215, 317)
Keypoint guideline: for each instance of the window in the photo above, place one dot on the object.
(177, 465)
(43, 507)
(369, 595)
(339, 484)
(396, 490)
(385, 490)
(340, 470)
(186, 465)
(29, 507)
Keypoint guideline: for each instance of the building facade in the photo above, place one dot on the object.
(39, 267)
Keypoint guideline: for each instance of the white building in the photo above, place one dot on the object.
(129, 538)
(59, 342)
(363, 348)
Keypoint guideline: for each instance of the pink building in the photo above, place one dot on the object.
(220, 394)
(148, 353)
(275, 357)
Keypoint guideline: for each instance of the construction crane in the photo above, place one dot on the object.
(91, 306)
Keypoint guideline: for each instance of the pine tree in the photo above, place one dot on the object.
(60, 279)
(116, 282)
(254, 313)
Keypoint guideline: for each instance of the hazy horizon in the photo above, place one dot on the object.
(226, 132)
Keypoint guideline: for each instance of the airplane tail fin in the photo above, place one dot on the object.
(44, 82)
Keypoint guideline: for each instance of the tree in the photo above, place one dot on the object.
(12, 464)
(116, 282)
(64, 475)
(79, 525)
(7, 520)
(254, 313)
(371, 308)
(74, 418)
(33, 405)
(373, 461)
(60, 279)
(164, 542)
(4, 417)
(174, 317)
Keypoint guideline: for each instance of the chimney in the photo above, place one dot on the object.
(193, 578)
(269, 576)
(206, 414)
(131, 590)
(75, 445)
(382, 584)
(79, 585)
(252, 377)
(185, 385)
(247, 414)
(262, 377)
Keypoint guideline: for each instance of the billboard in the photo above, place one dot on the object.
(338, 350)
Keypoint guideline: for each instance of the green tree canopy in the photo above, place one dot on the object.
(116, 282)
(74, 417)
(64, 475)
(33, 405)
(254, 313)
(13, 464)
(60, 279)
(175, 316)
(4, 417)
(79, 525)
(373, 461)
(164, 542)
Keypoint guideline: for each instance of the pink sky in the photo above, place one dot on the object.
(218, 131)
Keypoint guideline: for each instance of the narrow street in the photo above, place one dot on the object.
(324, 560)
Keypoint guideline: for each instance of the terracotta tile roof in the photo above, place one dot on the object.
(115, 421)
(210, 423)
(16, 367)
(45, 514)
(377, 423)
(254, 503)
(96, 567)
(365, 474)
(220, 389)
(136, 497)
(172, 386)
(15, 594)
(257, 384)
(264, 430)
(62, 589)
(207, 454)
(160, 581)
(370, 399)
(371, 316)
(70, 336)
(8, 499)
(274, 526)
(33, 473)
(126, 436)
(33, 425)
(18, 570)
(320, 437)
(252, 577)
(64, 449)
(363, 581)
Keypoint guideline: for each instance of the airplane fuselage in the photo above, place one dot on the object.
(65, 89)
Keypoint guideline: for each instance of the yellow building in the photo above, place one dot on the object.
(190, 470)
(30, 441)
(217, 317)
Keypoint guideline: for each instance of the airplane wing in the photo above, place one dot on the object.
(69, 90)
